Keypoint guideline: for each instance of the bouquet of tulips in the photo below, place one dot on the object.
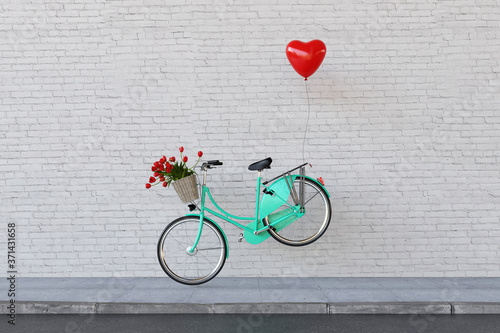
(168, 171)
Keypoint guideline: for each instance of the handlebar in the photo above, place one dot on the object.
(210, 164)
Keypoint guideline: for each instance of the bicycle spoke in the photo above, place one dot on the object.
(210, 248)
(311, 198)
(203, 256)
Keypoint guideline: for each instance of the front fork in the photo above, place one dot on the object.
(202, 216)
(202, 211)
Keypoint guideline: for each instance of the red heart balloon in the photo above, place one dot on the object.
(306, 58)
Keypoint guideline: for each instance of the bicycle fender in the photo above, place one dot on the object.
(220, 229)
(316, 181)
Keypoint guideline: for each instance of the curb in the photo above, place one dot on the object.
(475, 308)
(23, 307)
(391, 308)
(434, 308)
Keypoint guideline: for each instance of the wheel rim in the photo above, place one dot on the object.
(313, 223)
(191, 268)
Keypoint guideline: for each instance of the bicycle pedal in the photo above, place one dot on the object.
(241, 237)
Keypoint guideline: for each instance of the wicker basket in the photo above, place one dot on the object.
(186, 188)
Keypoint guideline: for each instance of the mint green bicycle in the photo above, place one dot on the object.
(294, 209)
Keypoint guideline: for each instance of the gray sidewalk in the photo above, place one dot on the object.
(256, 295)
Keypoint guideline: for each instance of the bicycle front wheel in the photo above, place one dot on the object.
(200, 266)
(309, 227)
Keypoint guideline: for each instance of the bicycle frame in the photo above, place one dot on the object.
(296, 210)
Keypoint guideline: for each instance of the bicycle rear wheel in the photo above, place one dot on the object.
(191, 268)
(309, 227)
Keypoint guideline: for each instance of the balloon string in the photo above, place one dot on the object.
(307, 122)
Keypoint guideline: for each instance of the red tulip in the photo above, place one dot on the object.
(152, 179)
(200, 154)
(165, 184)
(148, 185)
(181, 149)
(172, 159)
(184, 159)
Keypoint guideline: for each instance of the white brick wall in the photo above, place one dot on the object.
(404, 128)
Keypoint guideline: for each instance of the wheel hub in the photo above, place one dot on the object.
(191, 253)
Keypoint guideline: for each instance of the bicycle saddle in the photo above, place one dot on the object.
(264, 164)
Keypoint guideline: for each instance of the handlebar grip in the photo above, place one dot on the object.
(214, 162)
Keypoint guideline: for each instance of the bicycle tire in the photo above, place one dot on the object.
(202, 265)
(309, 227)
